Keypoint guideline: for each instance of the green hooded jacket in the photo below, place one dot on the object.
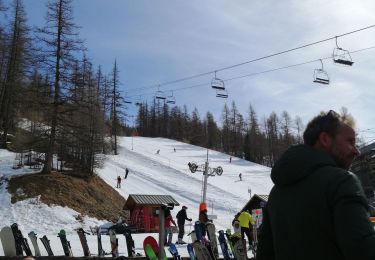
(315, 210)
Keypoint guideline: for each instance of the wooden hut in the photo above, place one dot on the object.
(257, 201)
(144, 210)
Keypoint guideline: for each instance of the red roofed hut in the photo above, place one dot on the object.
(144, 211)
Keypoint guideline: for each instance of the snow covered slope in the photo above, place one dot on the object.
(166, 173)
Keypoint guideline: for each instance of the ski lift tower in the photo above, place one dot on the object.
(207, 171)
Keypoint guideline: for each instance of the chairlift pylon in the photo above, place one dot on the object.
(320, 75)
(171, 99)
(217, 83)
(341, 56)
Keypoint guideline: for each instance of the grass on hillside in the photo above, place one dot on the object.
(88, 196)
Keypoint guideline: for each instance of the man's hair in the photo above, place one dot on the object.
(329, 123)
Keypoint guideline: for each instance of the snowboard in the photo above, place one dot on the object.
(211, 232)
(150, 253)
(193, 236)
(8, 242)
(237, 245)
(21, 242)
(190, 250)
(151, 241)
(224, 246)
(201, 251)
(82, 237)
(174, 252)
(206, 246)
(65, 243)
(101, 252)
(34, 241)
(198, 231)
(114, 243)
(46, 245)
(129, 243)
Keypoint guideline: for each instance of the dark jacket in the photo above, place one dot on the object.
(316, 210)
(181, 217)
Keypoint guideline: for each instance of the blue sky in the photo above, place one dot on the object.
(159, 41)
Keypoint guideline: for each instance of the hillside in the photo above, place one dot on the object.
(71, 203)
(91, 197)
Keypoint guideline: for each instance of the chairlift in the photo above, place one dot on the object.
(321, 76)
(171, 99)
(341, 56)
(160, 94)
(138, 101)
(126, 99)
(221, 93)
(217, 83)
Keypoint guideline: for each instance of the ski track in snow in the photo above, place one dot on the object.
(177, 187)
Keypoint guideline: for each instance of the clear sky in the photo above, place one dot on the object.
(160, 41)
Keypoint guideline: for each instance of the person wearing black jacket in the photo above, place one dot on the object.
(181, 217)
(317, 208)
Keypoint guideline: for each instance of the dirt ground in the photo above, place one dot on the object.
(89, 196)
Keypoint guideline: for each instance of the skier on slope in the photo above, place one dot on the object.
(181, 217)
(126, 172)
(118, 182)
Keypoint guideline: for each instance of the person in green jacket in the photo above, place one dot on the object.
(317, 208)
(246, 224)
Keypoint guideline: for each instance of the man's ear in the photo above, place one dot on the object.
(324, 140)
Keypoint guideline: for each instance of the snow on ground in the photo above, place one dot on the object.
(166, 173)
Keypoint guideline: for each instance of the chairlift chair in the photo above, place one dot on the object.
(138, 101)
(171, 99)
(160, 95)
(217, 83)
(341, 56)
(221, 93)
(321, 76)
(127, 99)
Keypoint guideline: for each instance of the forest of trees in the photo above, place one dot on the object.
(261, 141)
(75, 112)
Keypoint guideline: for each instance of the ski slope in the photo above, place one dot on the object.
(166, 173)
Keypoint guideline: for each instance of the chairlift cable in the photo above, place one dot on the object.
(258, 73)
(254, 60)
